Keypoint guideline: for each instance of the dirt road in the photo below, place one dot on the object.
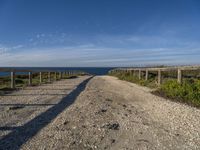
(100, 113)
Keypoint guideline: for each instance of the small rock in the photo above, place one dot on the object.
(104, 110)
(177, 134)
(66, 122)
(15, 107)
(113, 141)
(129, 111)
(101, 111)
(102, 138)
(73, 143)
(109, 100)
(124, 106)
(114, 126)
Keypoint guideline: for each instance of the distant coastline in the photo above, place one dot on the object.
(91, 70)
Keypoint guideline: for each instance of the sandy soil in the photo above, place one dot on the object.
(96, 113)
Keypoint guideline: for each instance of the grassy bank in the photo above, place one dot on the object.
(187, 92)
(134, 79)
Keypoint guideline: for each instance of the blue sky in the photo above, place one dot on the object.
(93, 33)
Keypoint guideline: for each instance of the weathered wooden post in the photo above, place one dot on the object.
(159, 77)
(30, 78)
(131, 72)
(49, 76)
(179, 76)
(147, 74)
(40, 77)
(12, 75)
(55, 76)
(139, 75)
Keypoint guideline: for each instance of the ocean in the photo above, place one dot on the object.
(90, 70)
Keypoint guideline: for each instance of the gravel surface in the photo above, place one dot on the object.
(100, 113)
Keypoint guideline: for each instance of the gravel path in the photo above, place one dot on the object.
(106, 114)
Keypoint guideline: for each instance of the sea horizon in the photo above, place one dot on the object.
(90, 70)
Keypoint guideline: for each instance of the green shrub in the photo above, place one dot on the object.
(134, 79)
(188, 91)
(19, 81)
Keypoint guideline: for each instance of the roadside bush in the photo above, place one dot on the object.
(19, 81)
(134, 79)
(188, 91)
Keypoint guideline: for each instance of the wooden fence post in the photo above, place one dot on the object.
(40, 77)
(12, 75)
(139, 75)
(179, 76)
(30, 78)
(147, 75)
(55, 76)
(132, 73)
(159, 77)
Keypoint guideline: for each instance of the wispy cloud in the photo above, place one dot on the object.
(102, 50)
(5, 50)
(90, 55)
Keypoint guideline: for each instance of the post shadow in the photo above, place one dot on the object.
(55, 89)
(32, 95)
(8, 128)
(19, 136)
(26, 105)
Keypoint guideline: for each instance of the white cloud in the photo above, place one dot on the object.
(90, 55)
(17, 47)
(99, 51)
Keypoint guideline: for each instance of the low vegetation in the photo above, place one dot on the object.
(22, 80)
(188, 91)
(133, 78)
